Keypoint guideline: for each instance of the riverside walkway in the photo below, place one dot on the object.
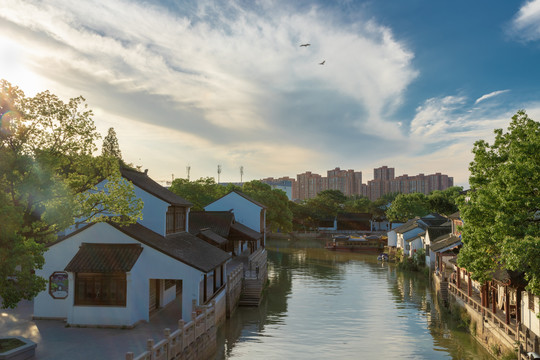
(55, 341)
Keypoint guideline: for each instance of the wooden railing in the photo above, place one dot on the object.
(182, 343)
(487, 314)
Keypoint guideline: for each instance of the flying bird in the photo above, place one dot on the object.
(322, 63)
(305, 45)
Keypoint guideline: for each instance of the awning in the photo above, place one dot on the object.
(207, 234)
(104, 258)
(245, 232)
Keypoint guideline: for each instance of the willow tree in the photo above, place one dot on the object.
(502, 213)
(47, 182)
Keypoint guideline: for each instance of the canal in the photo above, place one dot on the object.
(331, 305)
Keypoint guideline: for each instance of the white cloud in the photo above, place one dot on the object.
(218, 75)
(526, 23)
(490, 95)
(436, 116)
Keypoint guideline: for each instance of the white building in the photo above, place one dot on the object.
(247, 212)
(106, 274)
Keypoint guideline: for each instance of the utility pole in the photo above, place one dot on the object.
(188, 169)
(241, 172)
(218, 172)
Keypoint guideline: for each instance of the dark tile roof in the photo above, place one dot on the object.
(454, 216)
(218, 221)
(509, 277)
(445, 241)
(181, 246)
(207, 234)
(415, 236)
(409, 225)
(437, 231)
(432, 220)
(245, 231)
(104, 258)
(143, 181)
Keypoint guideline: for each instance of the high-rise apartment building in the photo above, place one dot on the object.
(349, 182)
(309, 185)
(383, 173)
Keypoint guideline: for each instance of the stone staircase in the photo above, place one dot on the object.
(251, 292)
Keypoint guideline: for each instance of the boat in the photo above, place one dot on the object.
(360, 243)
(383, 257)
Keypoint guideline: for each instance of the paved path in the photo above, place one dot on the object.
(58, 342)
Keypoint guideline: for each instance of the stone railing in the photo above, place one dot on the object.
(234, 289)
(257, 265)
(193, 340)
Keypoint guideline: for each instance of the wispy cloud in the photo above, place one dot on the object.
(526, 23)
(490, 95)
(222, 72)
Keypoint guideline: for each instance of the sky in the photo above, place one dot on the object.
(407, 84)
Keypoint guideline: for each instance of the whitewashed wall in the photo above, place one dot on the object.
(154, 211)
(151, 264)
(528, 317)
(415, 245)
(392, 238)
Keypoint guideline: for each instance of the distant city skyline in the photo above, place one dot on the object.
(308, 184)
(202, 84)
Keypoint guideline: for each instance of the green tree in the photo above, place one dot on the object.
(502, 214)
(444, 202)
(407, 206)
(303, 217)
(378, 207)
(327, 204)
(357, 204)
(200, 192)
(110, 145)
(47, 182)
(278, 214)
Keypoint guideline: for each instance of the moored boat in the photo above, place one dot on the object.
(360, 243)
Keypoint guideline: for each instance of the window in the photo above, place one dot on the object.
(100, 289)
(531, 301)
(176, 219)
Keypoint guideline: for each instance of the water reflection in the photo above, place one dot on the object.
(321, 304)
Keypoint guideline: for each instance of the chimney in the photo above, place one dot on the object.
(145, 171)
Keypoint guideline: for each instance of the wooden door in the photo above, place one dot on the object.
(154, 294)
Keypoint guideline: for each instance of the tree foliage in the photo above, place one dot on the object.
(110, 145)
(47, 181)
(200, 192)
(278, 214)
(502, 215)
(407, 206)
(444, 202)
(327, 204)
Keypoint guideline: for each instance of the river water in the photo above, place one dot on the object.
(321, 304)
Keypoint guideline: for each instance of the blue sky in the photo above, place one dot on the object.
(407, 84)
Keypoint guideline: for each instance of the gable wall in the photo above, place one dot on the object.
(245, 211)
(151, 264)
(154, 211)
